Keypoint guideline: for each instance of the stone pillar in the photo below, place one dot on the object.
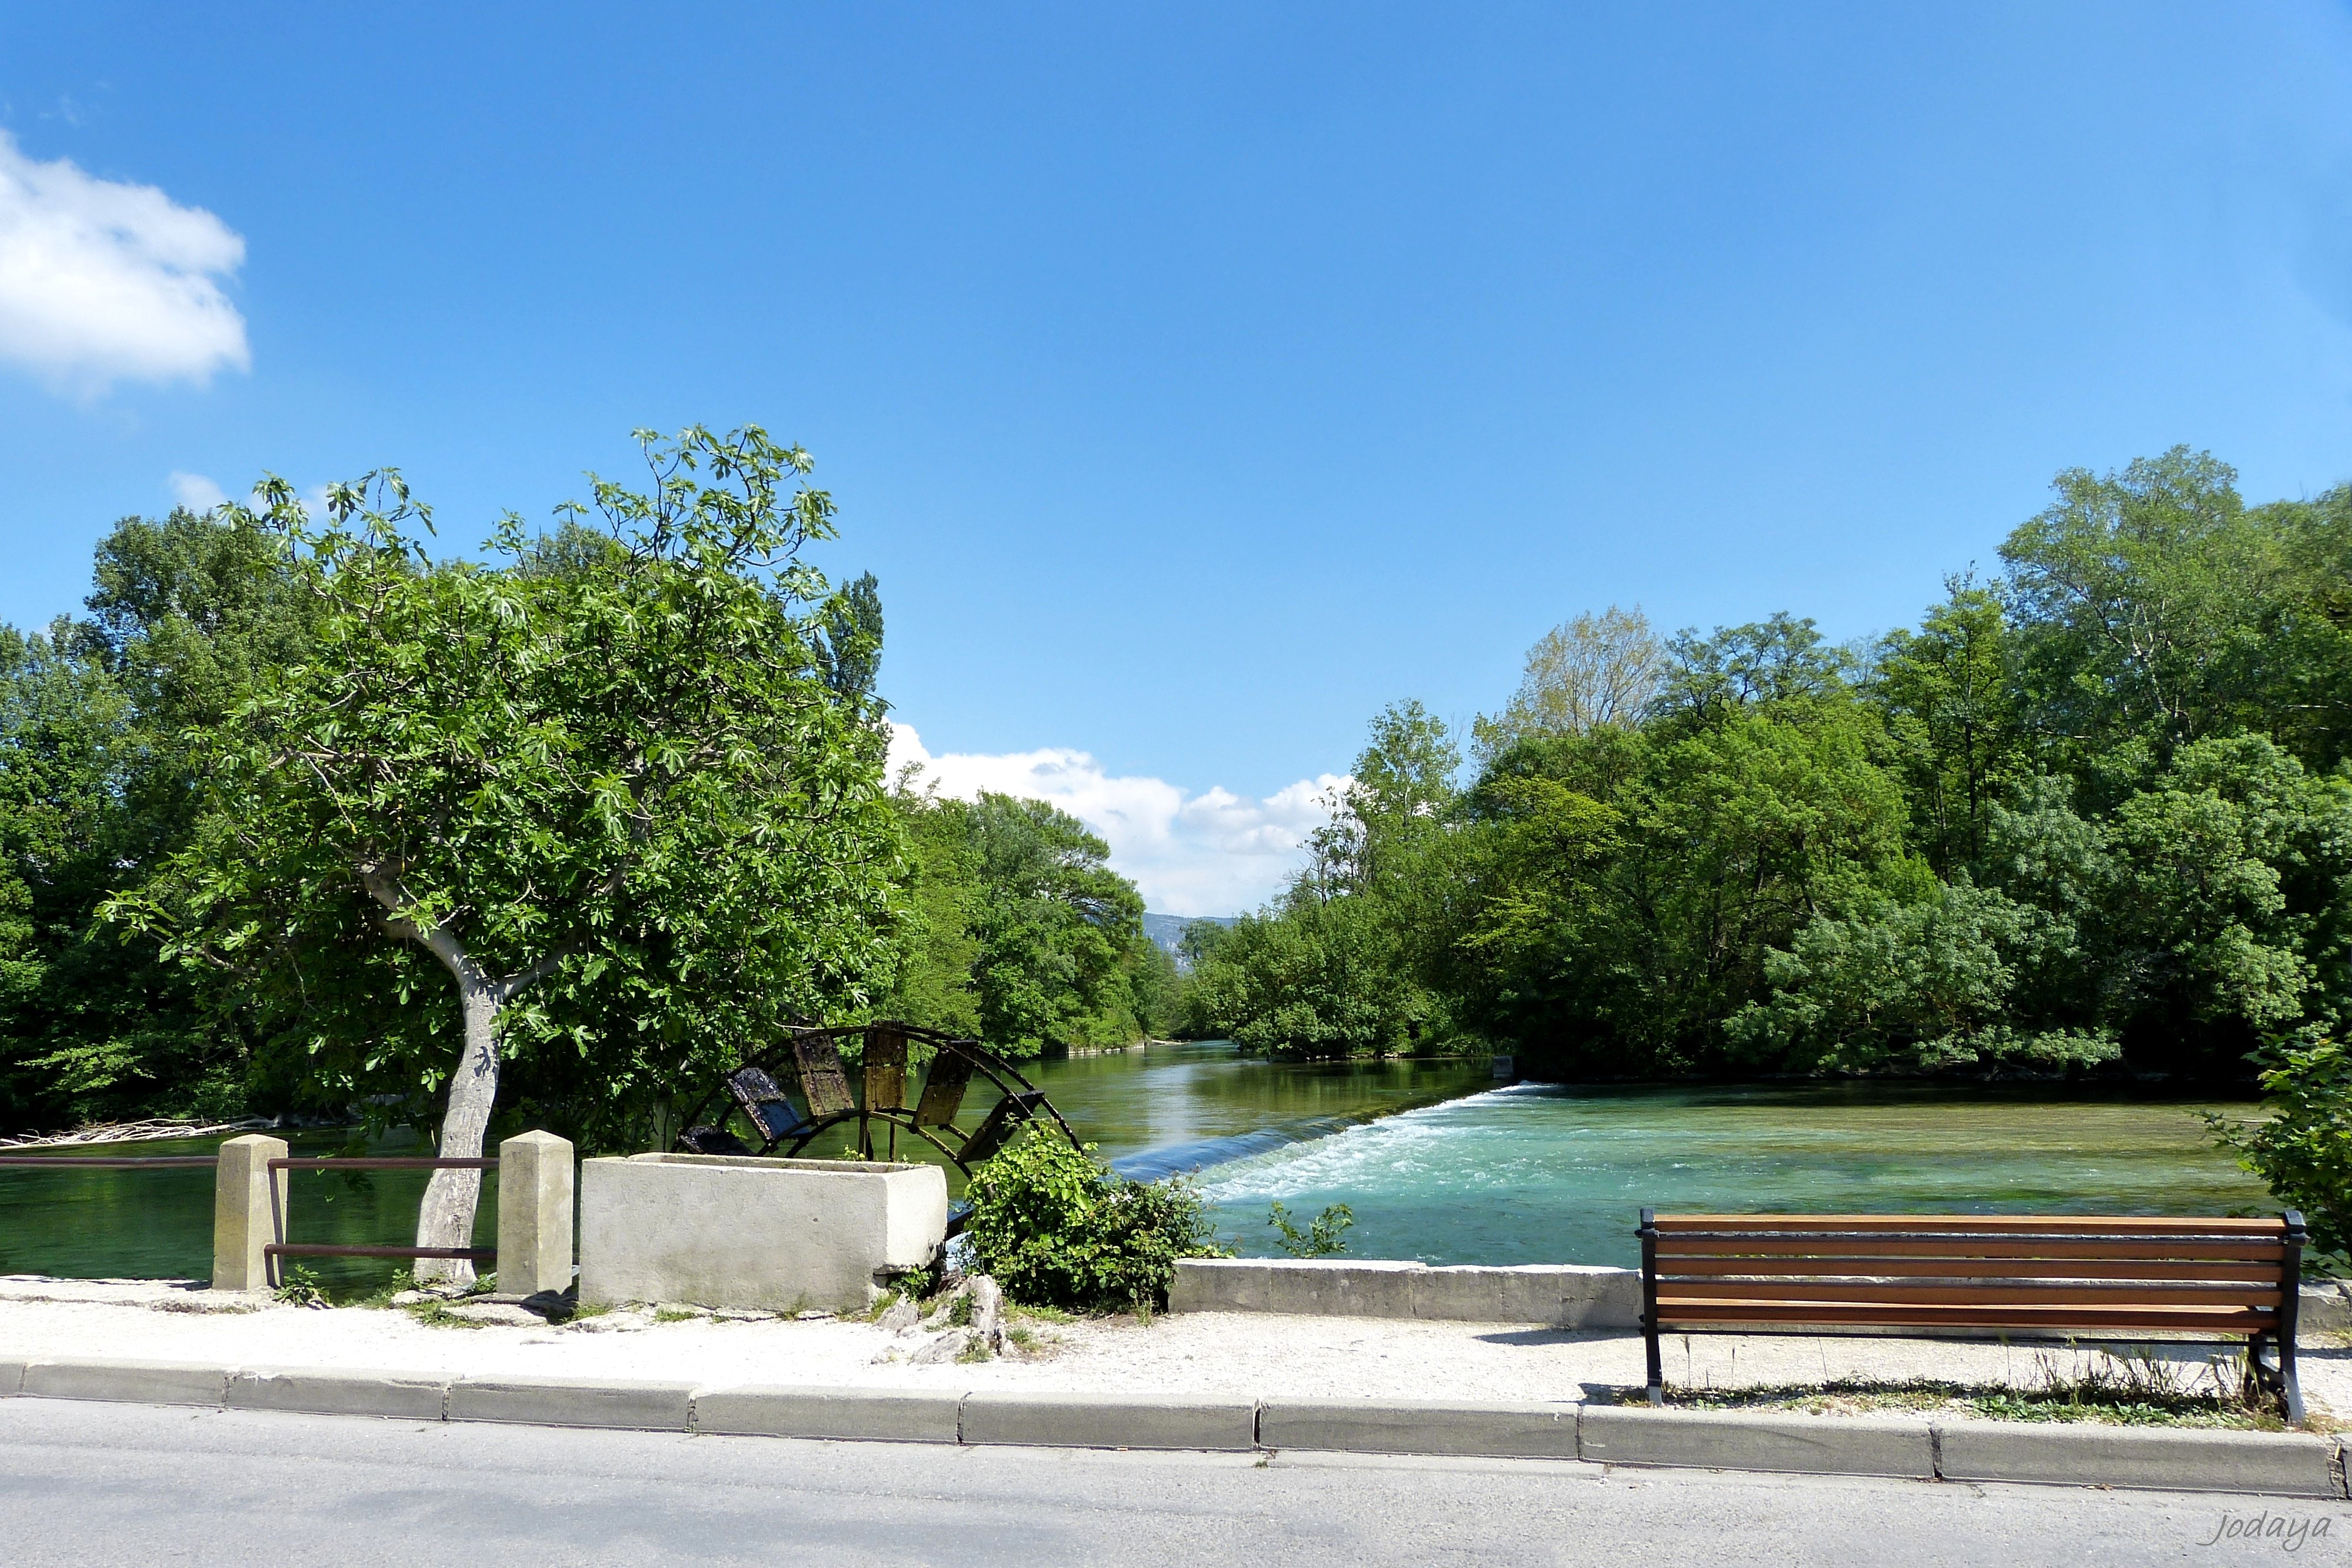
(535, 1186)
(244, 1219)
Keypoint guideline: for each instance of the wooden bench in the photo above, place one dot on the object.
(1781, 1273)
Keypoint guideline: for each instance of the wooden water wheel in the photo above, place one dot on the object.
(782, 1100)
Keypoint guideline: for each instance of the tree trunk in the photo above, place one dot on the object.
(446, 1218)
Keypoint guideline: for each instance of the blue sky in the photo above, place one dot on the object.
(1196, 379)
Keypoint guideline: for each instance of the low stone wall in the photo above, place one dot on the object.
(1560, 1295)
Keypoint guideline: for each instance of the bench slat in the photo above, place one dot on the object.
(2185, 1320)
(1868, 1265)
(2054, 1293)
(2055, 1247)
(2151, 1224)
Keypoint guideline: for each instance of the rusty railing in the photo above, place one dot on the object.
(281, 1247)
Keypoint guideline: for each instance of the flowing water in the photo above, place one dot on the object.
(1435, 1162)
(1538, 1173)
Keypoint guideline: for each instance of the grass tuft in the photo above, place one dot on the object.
(2114, 1390)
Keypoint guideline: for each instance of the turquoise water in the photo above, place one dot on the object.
(1546, 1174)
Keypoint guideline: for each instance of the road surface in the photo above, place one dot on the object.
(88, 1483)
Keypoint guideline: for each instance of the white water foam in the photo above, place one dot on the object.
(1409, 1149)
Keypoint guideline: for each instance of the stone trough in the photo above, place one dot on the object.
(772, 1235)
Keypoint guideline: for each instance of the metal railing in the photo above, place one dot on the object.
(86, 1162)
(281, 1247)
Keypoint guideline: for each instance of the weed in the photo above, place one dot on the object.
(1321, 1238)
(674, 1314)
(1021, 1338)
(976, 1351)
(301, 1288)
(2126, 1390)
(436, 1314)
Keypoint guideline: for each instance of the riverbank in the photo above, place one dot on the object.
(1217, 1356)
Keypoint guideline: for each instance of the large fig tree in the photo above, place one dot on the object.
(609, 770)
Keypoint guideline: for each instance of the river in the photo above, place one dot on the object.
(1435, 1161)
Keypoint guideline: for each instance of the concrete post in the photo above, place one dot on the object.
(244, 1219)
(535, 1187)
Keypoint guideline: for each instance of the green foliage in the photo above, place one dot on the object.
(1914, 986)
(2304, 1149)
(1023, 935)
(1323, 1237)
(102, 729)
(1336, 969)
(2095, 810)
(1953, 721)
(599, 804)
(1054, 1229)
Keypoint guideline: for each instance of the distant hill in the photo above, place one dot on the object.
(1167, 930)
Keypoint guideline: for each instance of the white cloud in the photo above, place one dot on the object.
(1212, 853)
(102, 281)
(196, 491)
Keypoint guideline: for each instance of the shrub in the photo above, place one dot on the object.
(2305, 1150)
(1054, 1227)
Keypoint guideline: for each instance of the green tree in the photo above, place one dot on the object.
(631, 768)
(1593, 670)
(1949, 702)
(2133, 590)
(1022, 933)
(101, 725)
(1055, 926)
(1334, 967)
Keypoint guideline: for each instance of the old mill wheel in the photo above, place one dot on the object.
(782, 1100)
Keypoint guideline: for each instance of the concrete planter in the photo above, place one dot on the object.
(777, 1235)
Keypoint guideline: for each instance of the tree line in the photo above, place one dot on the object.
(2094, 812)
(299, 817)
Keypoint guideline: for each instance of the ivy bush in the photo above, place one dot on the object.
(1055, 1227)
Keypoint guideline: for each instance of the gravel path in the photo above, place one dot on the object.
(1207, 1352)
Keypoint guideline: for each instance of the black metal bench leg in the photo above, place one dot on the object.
(2290, 1316)
(2290, 1390)
(1648, 1234)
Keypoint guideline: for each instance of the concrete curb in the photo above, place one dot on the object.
(1742, 1440)
(1087, 1421)
(400, 1396)
(2160, 1459)
(878, 1414)
(137, 1382)
(557, 1402)
(2170, 1459)
(1503, 1430)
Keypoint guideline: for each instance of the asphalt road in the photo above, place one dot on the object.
(96, 1484)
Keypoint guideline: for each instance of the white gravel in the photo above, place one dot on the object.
(1227, 1354)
